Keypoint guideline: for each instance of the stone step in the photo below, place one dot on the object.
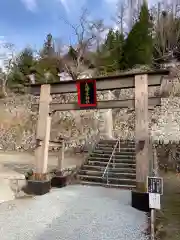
(115, 140)
(108, 141)
(100, 168)
(116, 156)
(105, 146)
(117, 149)
(111, 180)
(108, 185)
(110, 152)
(115, 153)
(113, 144)
(110, 174)
(117, 165)
(116, 160)
(124, 181)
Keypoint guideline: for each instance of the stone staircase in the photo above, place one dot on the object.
(122, 174)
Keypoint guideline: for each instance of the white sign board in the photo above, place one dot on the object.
(154, 200)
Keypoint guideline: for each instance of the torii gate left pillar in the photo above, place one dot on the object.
(40, 184)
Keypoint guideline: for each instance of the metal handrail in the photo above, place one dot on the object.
(111, 157)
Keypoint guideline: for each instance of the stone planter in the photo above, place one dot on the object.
(59, 181)
(35, 187)
(140, 200)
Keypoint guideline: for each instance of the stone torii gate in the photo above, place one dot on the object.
(141, 104)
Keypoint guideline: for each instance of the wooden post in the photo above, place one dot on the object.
(61, 156)
(46, 146)
(152, 224)
(141, 131)
(43, 133)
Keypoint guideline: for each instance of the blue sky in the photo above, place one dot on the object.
(26, 22)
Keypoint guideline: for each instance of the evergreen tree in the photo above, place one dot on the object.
(118, 52)
(26, 62)
(108, 50)
(22, 67)
(48, 49)
(109, 44)
(139, 44)
(49, 62)
(111, 52)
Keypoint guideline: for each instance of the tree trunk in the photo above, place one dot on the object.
(3, 88)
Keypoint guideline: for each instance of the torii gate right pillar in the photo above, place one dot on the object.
(140, 198)
(141, 131)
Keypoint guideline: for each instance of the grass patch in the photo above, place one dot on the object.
(168, 219)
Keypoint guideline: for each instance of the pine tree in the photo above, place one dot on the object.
(24, 66)
(49, 62)
(25, 61)
(112, 51)
(118, 52)
(48, 49)
(108, 49)
(139, 44)
(21, 68)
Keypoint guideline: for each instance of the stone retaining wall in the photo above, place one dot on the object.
(18, 122)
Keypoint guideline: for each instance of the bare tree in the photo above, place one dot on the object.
(166, 32)
(120, 18)
(127, 13)
(7, 60)
(99, 31)
(88, 36)
(133, 9)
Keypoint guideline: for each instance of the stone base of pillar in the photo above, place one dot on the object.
(59, 181)
(140, 198)
(35, 187)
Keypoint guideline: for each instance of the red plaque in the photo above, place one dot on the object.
(87, 96)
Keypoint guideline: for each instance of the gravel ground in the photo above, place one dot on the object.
(73, 213)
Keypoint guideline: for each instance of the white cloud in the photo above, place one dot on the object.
(66, 4)
(31, 5)
(72, 5)
(111, 1)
